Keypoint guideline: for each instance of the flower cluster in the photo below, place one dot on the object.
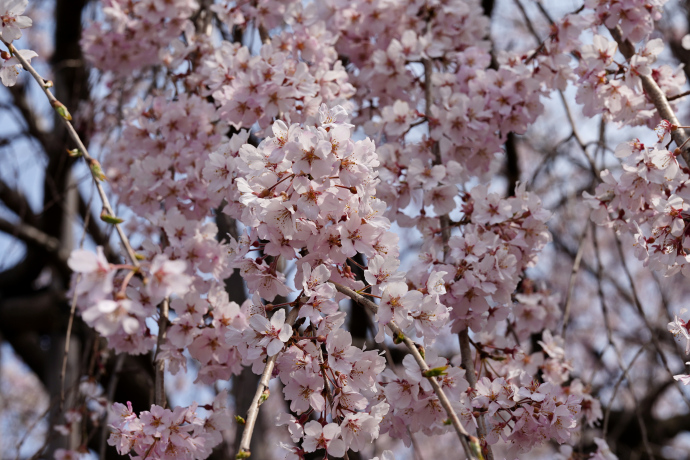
(134, 35)
(163, 433)
(119, 315)
(650, 200)
(266, 139)
(278, 82)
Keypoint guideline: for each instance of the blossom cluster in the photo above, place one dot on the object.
(263, 134)
(649, 200)
(119, 315)
(136, 33)
(163, 433)
(290, 78)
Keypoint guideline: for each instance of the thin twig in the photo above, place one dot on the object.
(678, 96)
(412, 347)
(112, 386)
(573, 277)
(470, 375)
(609, 336)
(70, 323)
(445, 224)
(329, 394)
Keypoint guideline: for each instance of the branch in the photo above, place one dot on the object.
(65, 117)
(253, 412)
(465, 438)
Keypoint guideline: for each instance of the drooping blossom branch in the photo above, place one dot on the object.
(469, 445)
(94, 166)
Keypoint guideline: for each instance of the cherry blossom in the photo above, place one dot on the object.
(323, 437)
(11, 20)
(274, 333)
(96, 273)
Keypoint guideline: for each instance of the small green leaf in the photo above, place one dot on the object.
(398, 339)
(421, 350)
(243, 454)
(435, 372)
(110, 219)
(240, 420)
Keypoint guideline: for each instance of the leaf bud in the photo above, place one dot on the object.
(61, 110)
(476, 448)
(96, 170)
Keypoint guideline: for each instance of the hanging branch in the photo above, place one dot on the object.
(465, 352)
(260, 396)
(469, 443)
(94, 166)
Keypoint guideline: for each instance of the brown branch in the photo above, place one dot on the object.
(17, 203)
